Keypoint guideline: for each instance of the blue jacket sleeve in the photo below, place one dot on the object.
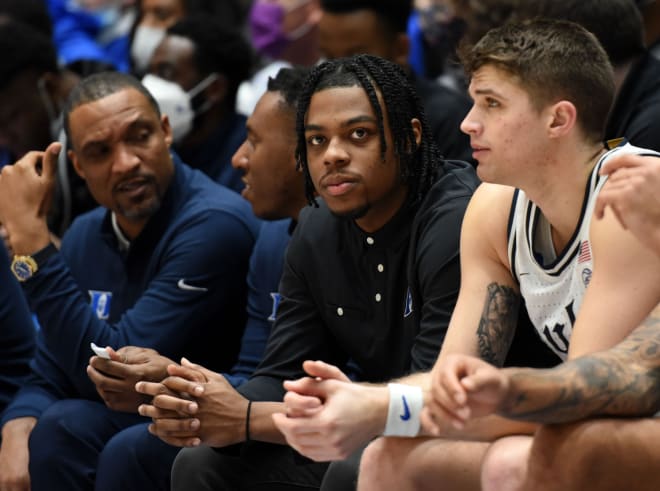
(210, 251)
(263, 281)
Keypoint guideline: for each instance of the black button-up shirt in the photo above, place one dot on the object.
(381, 301)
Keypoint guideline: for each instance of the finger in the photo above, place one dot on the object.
(115, 356)
(155, 413)
(109, 367)
(300, 405)
(184, 441)
(108, 384)
(308, 386)
(450, 384)
(324, 370)
(151, 388)
(428, 423)
(49, 160)
(599, 208)
(177, 404)
(619, 162)
(440, 414)
(181, 385)
(187, 372)
(208, 374)
(163, 410)
(179, 427)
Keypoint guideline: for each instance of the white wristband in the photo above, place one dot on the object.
(406, 403)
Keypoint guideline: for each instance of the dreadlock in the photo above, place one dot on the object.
(418, 164)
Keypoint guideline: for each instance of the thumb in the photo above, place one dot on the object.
(48, 170)
(322, 370)
(49, 161)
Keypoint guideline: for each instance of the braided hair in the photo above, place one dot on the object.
(418, 164)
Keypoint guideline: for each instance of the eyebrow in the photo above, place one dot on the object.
(349, 122)
(137, 123)
(488, 92)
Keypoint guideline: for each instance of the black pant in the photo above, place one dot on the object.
(342, 475)
(252, 466)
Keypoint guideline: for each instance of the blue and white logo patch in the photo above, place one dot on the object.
(100, 303)
(408, 309)
(276, 303)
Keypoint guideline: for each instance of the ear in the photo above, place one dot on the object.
(417, 130)
(167, 129)
(51, 83)
(562, 118)
(76, 164)
(400, 49)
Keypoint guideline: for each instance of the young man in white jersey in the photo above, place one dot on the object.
(622, 381)
(541, 91)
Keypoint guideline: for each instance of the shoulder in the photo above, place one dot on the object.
(88, 223)
(203, 196)
(459, 180)
(317, 230)
(273, 235)
(450, 194)
(487, 217)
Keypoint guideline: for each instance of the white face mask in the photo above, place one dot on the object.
(145, 42)
(177, 103)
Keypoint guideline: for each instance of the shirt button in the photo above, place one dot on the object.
(370, 240)
(340, 311)
(378, 297)
(381, 268)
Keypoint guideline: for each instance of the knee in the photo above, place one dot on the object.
(380, 466)
(190, 464)
(504, 466)
(373, 457)
(563, 456)
(55, 426)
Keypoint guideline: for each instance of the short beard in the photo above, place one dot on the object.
(141, 213)
(355, 214)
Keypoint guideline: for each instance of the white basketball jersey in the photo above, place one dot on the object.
(551, 285)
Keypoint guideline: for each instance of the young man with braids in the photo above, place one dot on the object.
(542, 91)
(369, 282)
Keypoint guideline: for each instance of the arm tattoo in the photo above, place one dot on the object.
(498, 323)
(623, 381)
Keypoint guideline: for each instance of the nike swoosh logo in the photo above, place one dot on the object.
(406, 410)
(191, 288)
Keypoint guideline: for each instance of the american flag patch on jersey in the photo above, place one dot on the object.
(585, 252)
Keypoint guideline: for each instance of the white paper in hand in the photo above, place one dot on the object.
(102, 352)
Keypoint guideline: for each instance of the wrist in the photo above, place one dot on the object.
(26, 243)
(404, 410)
(380, 398)
(17, 430)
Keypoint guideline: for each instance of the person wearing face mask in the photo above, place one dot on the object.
(283, 33)
(92, 35)
(32, 90)
(194, 75)
(155, 16)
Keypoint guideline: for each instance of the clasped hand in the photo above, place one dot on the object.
(194, 405)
